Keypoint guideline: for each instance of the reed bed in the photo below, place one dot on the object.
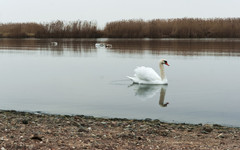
(135, 28)
(55, 29)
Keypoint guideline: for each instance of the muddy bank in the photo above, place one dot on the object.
(21, 130)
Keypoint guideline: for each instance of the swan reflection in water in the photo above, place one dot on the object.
(145, 91)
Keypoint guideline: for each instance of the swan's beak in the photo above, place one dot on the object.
(167, 64)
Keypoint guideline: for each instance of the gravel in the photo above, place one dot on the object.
(24, 130)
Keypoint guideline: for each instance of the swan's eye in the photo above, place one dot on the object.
(165, 62)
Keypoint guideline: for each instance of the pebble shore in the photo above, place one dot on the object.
(24, 130)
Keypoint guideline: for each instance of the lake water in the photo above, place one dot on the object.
(75, 77)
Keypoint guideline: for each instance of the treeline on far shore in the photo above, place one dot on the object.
(157, 28)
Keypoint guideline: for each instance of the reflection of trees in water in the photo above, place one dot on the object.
(64, 45)
(185, 47)
(148, 91)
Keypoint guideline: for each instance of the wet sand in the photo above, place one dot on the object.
(23, 130)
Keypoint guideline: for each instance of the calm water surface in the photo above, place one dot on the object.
(75, 77)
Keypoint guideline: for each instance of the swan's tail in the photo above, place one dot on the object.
(131, 78)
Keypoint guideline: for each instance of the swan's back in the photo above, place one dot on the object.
(146, 74)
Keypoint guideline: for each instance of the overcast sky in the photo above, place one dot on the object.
(104, 11)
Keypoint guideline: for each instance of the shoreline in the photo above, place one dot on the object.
(27, 130)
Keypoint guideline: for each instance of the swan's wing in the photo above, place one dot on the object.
(146, 74)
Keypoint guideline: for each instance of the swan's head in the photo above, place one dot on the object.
(164, 61)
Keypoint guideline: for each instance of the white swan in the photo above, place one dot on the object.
(146, 75)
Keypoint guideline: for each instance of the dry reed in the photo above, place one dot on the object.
(157, 28)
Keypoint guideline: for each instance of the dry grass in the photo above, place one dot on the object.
(56, 29)
(174, 28)
(158, 28)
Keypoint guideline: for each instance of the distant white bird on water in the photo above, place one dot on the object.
(54, 43)
(103, 45)
(146, 75)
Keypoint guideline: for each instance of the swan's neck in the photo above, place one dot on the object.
(162, 73)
